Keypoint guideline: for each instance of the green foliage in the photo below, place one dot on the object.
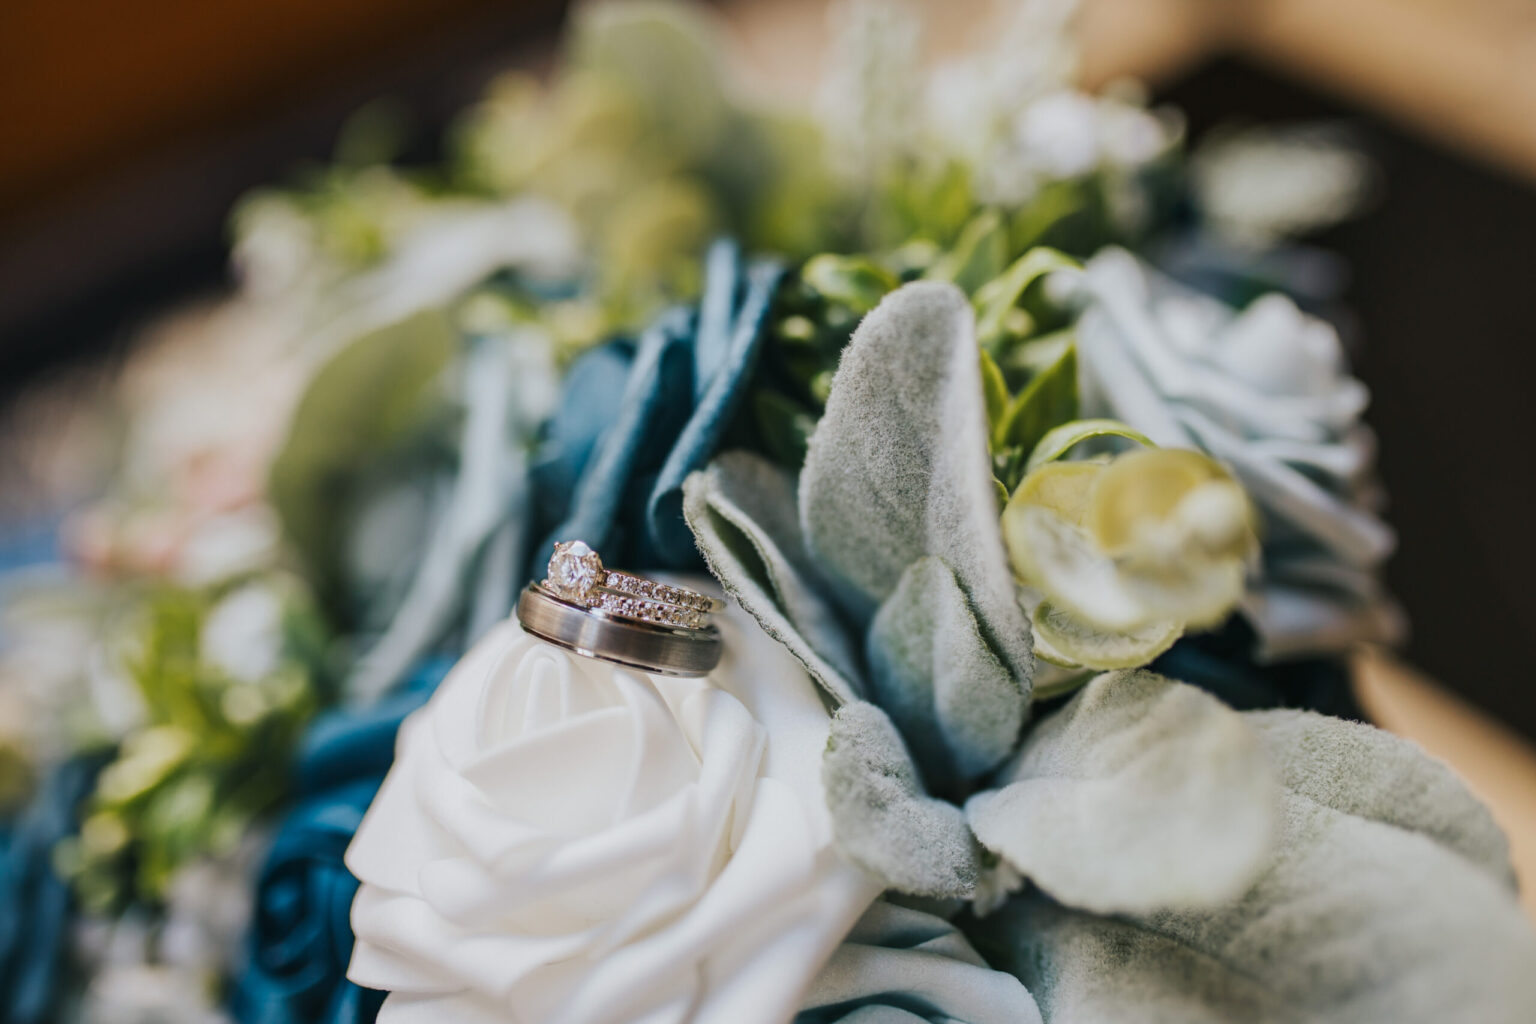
(212, 753)
(374, 397)
(977, 256)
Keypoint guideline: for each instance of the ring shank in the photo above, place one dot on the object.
(658, 649)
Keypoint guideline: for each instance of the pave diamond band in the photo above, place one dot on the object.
(617, 616)
(650, 647)
(645, 610)
(681, 597)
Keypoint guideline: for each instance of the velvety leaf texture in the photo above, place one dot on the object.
(882, 819)
(1141, 794)
(759, 557)
(954, 702)
(899, 466)
(1386, 901)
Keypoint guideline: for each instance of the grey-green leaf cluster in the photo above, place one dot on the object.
(889, 581)
(1385, 897)
(1180, 861)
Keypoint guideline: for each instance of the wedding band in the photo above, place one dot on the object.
(664, 650)
(577, 574)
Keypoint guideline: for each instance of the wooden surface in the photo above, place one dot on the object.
(1497, 765)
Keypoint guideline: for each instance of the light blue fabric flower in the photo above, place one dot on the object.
(904, 966)
(301, 933)
(35, 903)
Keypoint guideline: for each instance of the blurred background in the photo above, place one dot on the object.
(131, 127)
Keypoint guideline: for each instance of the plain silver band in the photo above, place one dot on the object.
(660, 649)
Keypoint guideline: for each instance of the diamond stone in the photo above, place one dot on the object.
(575, 570)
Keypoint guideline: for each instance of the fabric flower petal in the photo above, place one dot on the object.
(912, 966)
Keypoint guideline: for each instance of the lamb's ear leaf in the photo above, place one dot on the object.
(760, 559)
(899, 466)
(957, 706)
(1141, 794)
(1387, 900)
(883, 821)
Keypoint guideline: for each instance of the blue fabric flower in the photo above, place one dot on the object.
(301, 933)
(35, 903)
(906, 966)
(637, 418)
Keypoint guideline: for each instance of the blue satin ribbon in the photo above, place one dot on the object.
(301, 931)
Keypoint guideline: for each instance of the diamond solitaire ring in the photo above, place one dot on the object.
(620, 617)
(577, 575)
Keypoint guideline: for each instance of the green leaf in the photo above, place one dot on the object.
(1046, 402)
(785, 426)
(994, 391)
(1060, 559)
(1000, 296)
(1387, 900)
(1060, 440)
(664, 59)
(899, 468)
(881, 818)
(958, 708)
(1142, 794)
(370, 395)
(977, 256)
(1065, 639)
(853, 281)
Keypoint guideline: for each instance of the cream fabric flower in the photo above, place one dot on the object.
(563, 841)
(1265, 390)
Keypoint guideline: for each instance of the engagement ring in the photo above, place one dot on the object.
(620, 617)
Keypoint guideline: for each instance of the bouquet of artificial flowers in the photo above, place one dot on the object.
(999, 511)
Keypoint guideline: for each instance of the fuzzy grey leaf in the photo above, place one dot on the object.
(759, 557)
(1141, 794)
(1386, 902)
(881, 818)
(958, 708)
(899, 466)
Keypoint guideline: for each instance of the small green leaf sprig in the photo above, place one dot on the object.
(1028, 358)
(220, 718)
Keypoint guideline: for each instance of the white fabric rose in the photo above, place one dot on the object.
(563, 841)
(1265, 390)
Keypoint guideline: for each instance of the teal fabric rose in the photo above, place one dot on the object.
(35, 903)
(301, 933)
(636, 419)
